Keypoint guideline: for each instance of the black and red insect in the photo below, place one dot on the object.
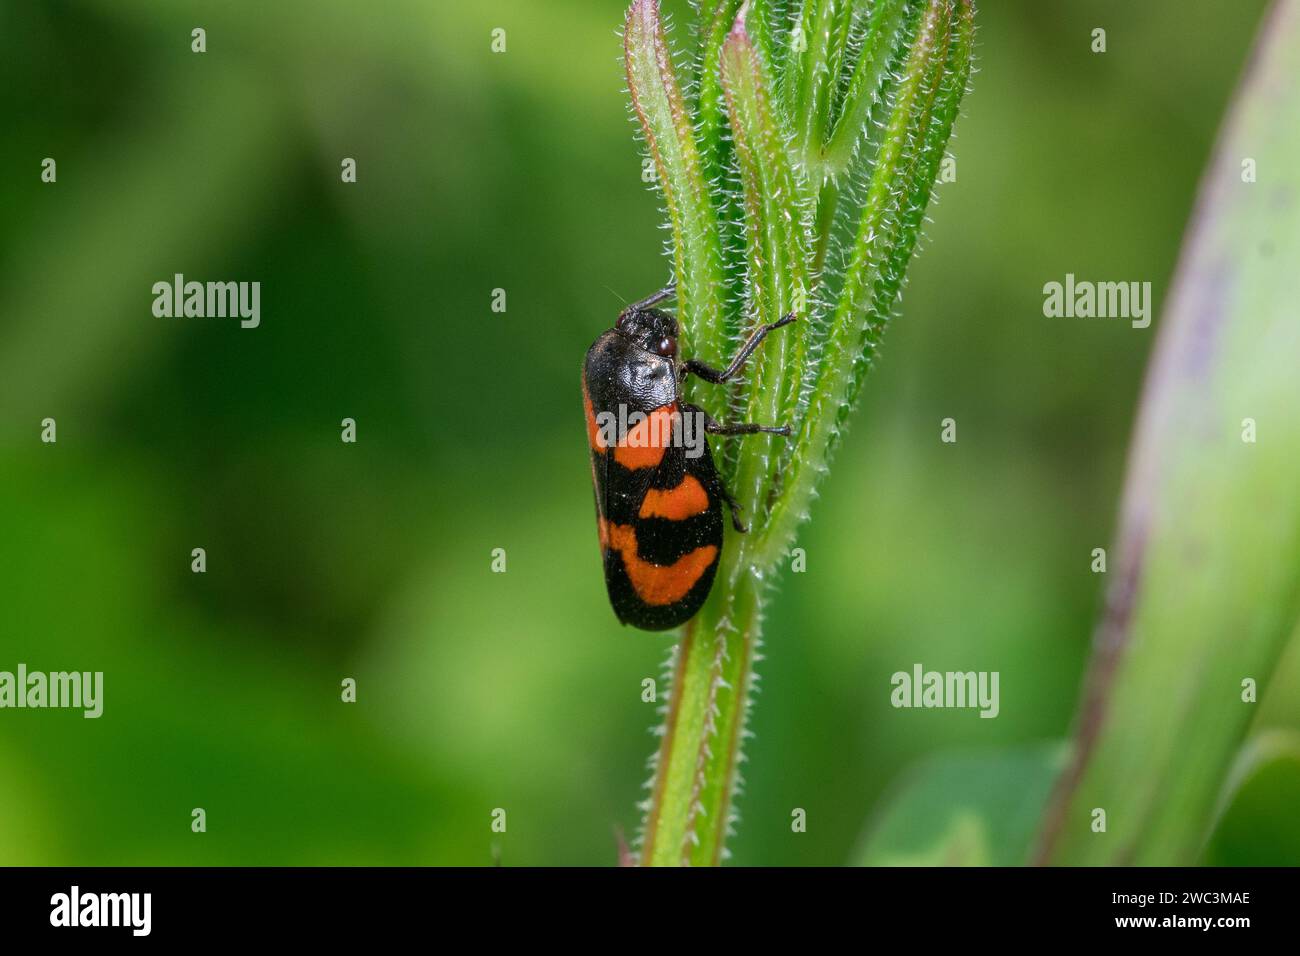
(659, 496)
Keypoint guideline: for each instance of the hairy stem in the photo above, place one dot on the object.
(798, 118)
(690, 808)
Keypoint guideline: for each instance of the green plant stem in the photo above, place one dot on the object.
(779, 126)
(690, 807)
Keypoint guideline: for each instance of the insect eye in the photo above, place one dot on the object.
(666, 346)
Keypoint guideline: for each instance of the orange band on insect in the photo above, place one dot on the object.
(644, 444)
(658, 494)
(658, 584)
(687, 499)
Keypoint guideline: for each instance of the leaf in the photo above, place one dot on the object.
(776, 244)
(1205, 586)
(945, 87)
(670, 134)
(923, 108)
(1259, 825)
(758, 16)
(715, 21)
(823, 27)
(964, 809)
(710, 110)
(867, 84)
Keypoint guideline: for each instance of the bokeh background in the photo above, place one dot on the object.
(327, 560)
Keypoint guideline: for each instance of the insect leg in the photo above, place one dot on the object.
(732, 505)
(709, 374)
(741, 428)
(745, 428)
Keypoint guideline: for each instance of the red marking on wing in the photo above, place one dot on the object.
(687, 499)
(657, 584)
(643, 445)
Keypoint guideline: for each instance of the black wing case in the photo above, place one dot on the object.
(660, 518)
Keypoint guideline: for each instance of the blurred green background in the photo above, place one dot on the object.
(327, 560)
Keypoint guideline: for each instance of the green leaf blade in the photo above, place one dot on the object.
(1205, 580)
(776, 243)
(670, 135)
(924, 108)
(711, 113)
(884, 23)
(1258, 825)
(964, 808)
